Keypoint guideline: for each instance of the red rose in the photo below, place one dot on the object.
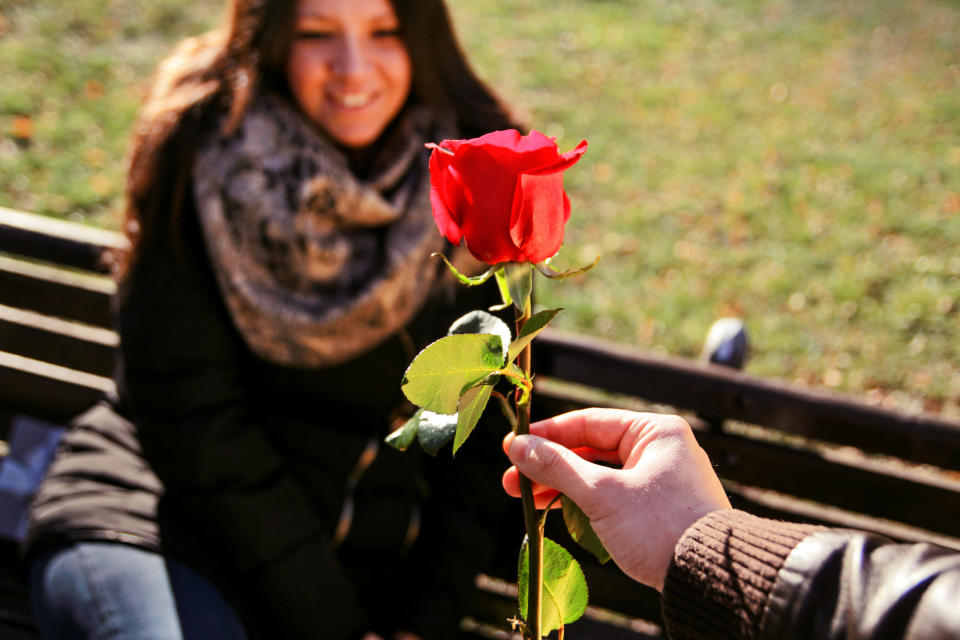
(503, 194)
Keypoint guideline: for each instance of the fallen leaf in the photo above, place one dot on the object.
(952, 205)
(22, 128)
(93, 89)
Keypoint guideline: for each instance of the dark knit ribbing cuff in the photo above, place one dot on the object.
(723, 570)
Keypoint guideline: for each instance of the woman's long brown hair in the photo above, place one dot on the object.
(220, 72)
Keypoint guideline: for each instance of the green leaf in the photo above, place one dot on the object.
(523, 578)
(404, 436)
(519, 276)
(435, 430)
(520, 380)
(472, 404)
(554, 274)
(564, 596)
(467, 280)
(440, 373)
(578, 524)
(504, 290)
(482, 322)
(537, 323)
(519, 377)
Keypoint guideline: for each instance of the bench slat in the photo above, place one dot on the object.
(58, 241)
(67, 344)
(714, 390)
(16, 627)
(851, 485)
(855, 485)
(47, 391)
(769, 504)
(56, 292)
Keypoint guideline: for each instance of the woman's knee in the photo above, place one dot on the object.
(94, 590)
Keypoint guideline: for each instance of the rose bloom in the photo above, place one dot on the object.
(503, 194)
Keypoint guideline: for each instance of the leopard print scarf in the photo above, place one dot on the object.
(316, 266)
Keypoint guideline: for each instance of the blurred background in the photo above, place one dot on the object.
(795, 163)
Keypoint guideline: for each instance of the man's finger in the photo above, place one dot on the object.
(587, 453)
(595, 455)
(511, 484)
(555, 466)
(595, 428)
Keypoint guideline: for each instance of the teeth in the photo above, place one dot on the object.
(353, 100)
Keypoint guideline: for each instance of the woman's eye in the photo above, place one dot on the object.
(387, 33)
(314, 35)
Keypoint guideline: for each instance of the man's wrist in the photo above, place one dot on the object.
(723, 571)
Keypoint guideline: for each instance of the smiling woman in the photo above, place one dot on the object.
(348, 68)
(279, 281)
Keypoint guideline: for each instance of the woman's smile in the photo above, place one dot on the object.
(353, 101)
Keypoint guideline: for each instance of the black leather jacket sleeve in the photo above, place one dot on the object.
(735, 575)
(852, 585)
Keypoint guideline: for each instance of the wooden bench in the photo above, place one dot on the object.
(782, 451)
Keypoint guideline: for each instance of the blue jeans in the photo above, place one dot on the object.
(101, 590)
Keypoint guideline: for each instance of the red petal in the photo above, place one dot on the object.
(486, 220)
(537, 216)
(516, 152)
(564, 161)
(441, 215)
(443, 196)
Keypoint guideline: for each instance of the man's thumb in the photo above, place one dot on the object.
(555, 466)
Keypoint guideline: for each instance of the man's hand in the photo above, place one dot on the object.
(640, 510)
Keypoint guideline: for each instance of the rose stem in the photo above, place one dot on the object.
(530, 518)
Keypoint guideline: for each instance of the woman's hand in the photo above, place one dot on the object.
(639, 511)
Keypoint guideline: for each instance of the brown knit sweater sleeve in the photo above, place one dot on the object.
(723, 571)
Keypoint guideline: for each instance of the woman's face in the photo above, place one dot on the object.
(348, 69)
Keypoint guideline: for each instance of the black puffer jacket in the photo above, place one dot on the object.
(735, 575)
(248, 470)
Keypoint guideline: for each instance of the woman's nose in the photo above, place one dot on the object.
(352, 56)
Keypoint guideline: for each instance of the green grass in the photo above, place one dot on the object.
(795, 163)
(73, 75)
